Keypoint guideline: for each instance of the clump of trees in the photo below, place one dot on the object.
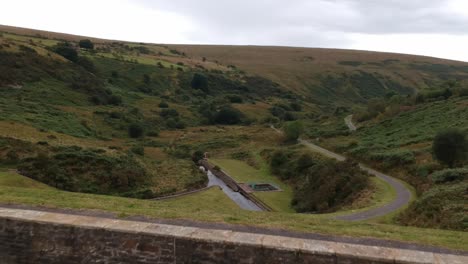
(228, 116)
(450, 147)
(319, 185)
(224, 114)
(86, 44)
(66, 50)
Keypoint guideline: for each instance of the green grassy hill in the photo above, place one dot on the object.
(124, 119)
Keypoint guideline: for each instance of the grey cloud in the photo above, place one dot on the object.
(310, 22)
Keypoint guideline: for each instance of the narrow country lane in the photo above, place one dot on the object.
(403, 194)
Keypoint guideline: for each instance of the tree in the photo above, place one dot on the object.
(200, 82)
(136, 130)
(163, 104)
(228, 116)
(86, 44)
(450, 147)
(66, 50)
(197, 156)
(293, 130)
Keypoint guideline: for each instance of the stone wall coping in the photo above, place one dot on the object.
(327, 248)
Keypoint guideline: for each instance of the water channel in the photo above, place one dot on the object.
(238, 198)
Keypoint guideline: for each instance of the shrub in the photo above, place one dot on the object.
(228, 116)
(146, 79)
(235, 99)
(136, 130)
(197, 156)
(114, 100)
(319, 185)
(393, 158)
(288, 116)
(77, 170)
(163, 104)
(86, 63)
(66, 50)
(173, 123)
(200, 82)
(295, 106)
(27, 49)
(449, 175)
(115, 74)
(86, 44)
(139, 150)
(166, 113)
(443, 206)
(277, 111)
(450, 147)
(293, 130)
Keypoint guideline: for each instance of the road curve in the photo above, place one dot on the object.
(349, 122)
(403, 194)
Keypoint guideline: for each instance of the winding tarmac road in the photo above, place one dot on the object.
(403, 194)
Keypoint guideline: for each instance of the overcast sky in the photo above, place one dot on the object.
(436, 28)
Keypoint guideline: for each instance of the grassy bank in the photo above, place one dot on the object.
(213, 206)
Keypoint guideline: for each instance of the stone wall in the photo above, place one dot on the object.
(42, 237)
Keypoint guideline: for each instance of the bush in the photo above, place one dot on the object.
(163, 105)
(293, 130)
(277, 111)
(77, 170)
(146, 79)
(139, 150)
(166, 113)
(327, 186)
(295, 107)
(450, 175)
(393, 158)
(235, 99)
(319, 185)
(450, 147)
(228, 116)
(197, 156)
(443, 206)
(136, 130)
(86, 44)
(66, 50)
(200, 82)
(86, 63)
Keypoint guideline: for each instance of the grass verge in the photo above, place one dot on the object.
(213, 206)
